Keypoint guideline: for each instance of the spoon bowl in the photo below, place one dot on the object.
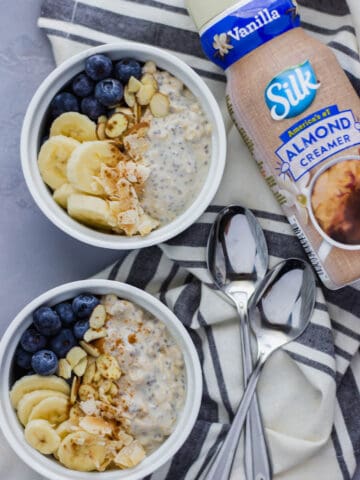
(281, 307)
(237, 254)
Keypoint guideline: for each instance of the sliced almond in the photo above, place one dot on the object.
(64, 369)
(74, 390)
(129, 97)
(92, 334)
(75, 355)
(149, 67)
(75, 413)
(108, 367)
(96, 426)
(160, 105)
(125, 110)
(124, 437)
(130, 455)
(90, 371)
(97, 377)
(90, 349)
(80, 368)
(148, 79)
(116, 125)
(98, 317)
(137, 113)
(134, 85)
(113, 390)
(145, 94)
(100, 131)
(86, 392)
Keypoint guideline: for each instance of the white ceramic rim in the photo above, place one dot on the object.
(30, 142)
(52, 469)
(326, 237)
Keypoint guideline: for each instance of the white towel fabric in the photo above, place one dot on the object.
(309, 393)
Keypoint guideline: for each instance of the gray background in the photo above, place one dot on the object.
(34, 254)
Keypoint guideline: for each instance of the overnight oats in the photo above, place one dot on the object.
(336, 201)
(129, 147)
(101, 383)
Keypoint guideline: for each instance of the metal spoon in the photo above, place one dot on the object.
(237, 259)
(280, 310)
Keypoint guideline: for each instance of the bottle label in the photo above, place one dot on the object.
(316, 138)
(245, 27)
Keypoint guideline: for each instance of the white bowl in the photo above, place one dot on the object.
(14, 432)
(32, 133)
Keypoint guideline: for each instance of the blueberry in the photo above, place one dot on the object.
(63, 342)
(126, 68)
(109, 92)
(44, 362)
(84, 304)
(63, 102)
(32, 341)
(80, 327)
(92, 108)
(98, 67)
(23, 358)
(47, 321)
(82, 85)
(66, 313)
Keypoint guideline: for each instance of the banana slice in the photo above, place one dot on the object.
(30, 383)
(53, 157)
(40, 435)
(30, 400)
(91, 211)
(74, 125)
(53, 409)
(85, 164)
(82, 451)
(62, 194)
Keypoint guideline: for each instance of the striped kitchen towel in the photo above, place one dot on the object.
(309, 393)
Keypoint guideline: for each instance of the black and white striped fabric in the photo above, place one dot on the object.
(309, 393)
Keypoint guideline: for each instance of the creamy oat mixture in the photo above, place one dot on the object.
(179, 152)
(152, 384)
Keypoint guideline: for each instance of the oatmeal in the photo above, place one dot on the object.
(152, 384)
(131, 157)
(108, 389)
(336, 202)
(178, 154)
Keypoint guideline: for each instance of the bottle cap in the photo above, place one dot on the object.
(202, 11)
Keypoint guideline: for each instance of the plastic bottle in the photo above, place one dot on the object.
(300, 118)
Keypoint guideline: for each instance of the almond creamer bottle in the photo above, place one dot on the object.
(300, 117)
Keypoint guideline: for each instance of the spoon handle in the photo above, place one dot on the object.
(222, 465)
(257, 459)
